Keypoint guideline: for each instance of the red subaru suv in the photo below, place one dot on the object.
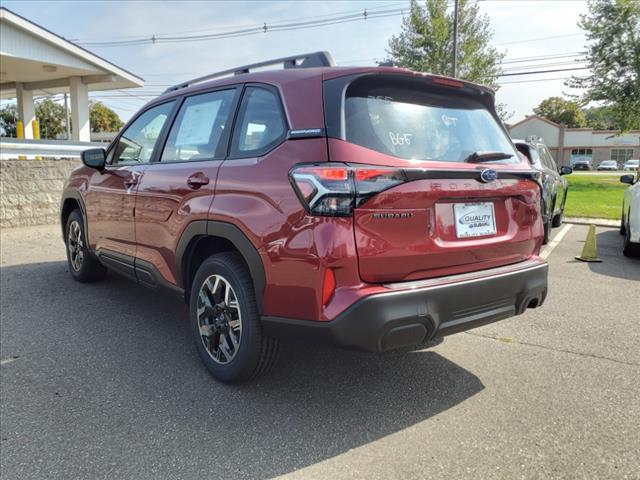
(372, 208)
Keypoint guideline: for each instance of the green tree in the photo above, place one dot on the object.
(559, 110)
(51, 117)
(103, 119)
(425, 43)
(613, 55)
(600, 118)
(8, 119)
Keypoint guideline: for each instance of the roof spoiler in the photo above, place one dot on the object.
(305, 60)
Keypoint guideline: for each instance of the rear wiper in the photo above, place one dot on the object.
(479, 157)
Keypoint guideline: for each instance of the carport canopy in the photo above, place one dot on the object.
(35, 61)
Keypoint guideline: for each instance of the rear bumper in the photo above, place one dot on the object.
(412, 313)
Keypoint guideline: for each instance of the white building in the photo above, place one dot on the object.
(570, 143)
(35, 62)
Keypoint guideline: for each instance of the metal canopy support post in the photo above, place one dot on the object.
(80, 131)
(66, 116)
(26, 109)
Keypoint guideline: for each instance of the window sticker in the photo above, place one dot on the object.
(197, 123)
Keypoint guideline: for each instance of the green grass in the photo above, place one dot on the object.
(594, 196)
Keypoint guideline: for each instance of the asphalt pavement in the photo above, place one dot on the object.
(102, 381)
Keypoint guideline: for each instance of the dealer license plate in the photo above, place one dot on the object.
(474, 219)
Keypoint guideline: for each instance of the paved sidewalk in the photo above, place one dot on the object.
(600, 222)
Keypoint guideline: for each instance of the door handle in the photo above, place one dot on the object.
(197, 180)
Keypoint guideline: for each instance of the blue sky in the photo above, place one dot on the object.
(521, 28)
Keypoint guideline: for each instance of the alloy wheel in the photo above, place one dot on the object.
(75, 245)
(219, 319)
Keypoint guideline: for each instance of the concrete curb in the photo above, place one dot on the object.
(600, 222)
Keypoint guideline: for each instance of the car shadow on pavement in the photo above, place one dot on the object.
(614, 263)
(107, 379)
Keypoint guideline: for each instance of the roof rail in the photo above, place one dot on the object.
(305, 60)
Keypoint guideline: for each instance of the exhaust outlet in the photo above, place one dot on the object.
(533, 303)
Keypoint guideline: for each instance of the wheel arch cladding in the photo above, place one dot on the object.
(203, 238)
(70, 203)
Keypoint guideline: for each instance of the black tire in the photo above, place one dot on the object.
(547, 230)
(84, 267)
(556, 221)
(630, 249)
(623, 227)
(256, 353)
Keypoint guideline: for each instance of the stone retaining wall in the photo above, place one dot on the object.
(30, 190)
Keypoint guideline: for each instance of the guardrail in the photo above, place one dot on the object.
(15, 148)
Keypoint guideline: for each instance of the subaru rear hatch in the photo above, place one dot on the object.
(439, 187)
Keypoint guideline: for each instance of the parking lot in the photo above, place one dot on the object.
(102, 381)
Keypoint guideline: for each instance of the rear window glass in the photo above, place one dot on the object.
(413, 123)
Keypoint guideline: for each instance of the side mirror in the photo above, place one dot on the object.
(95, 158)
(566, 170)
(627, 179)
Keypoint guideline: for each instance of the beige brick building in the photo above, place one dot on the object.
(572, 143)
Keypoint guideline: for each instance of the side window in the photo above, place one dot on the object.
(550, 160)
(137, 142)
(199, 127)
(544, 157)
(260, 124)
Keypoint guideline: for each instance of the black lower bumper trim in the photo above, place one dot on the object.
(409, 317)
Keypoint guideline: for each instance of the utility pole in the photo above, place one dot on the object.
(455, 39)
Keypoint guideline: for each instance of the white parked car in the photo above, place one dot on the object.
(608, 165)
(631, 165)
(630, 224)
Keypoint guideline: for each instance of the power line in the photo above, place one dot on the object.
(540, 39)
(362, 15)
(243, 26)
(535, 80)
(545, 65)
(543, 71)
(541, 57)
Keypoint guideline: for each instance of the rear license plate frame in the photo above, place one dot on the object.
(474, 219)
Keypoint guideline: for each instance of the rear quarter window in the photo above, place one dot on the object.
(260, 125)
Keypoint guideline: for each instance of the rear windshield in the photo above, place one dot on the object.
(412, 122)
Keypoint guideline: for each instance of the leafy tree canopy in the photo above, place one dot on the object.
(600, 118)
(8, 119)
(51, 117)
(103, 119)
(613, 55)
(561, 111)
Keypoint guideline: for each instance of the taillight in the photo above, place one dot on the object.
(336, 189)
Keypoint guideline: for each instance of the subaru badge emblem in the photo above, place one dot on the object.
(487, 175)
